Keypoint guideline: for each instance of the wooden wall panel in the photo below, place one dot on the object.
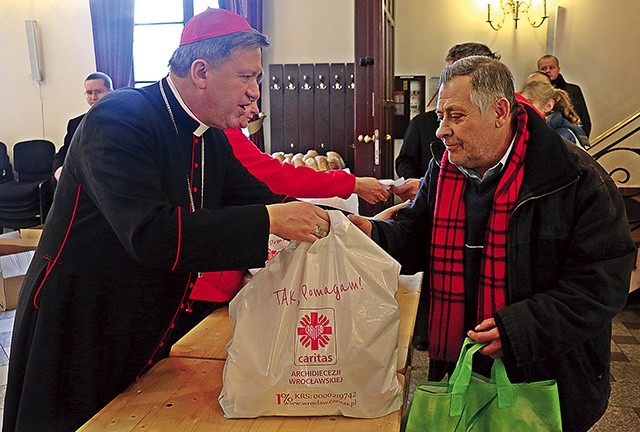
(306, 107)
(349, 117)
(337, 93)
(322, 126)
(312, 107)
(290, 114)
(276, 103)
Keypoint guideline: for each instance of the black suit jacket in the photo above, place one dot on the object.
(577, 98)
(58, 159)
(415, 153)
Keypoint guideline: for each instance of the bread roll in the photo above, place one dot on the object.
(323, 164)
(334, 163)
(336, 155)
(279, 156)
(311, 163)
(312, 153)
(297, 156)
(298, 161)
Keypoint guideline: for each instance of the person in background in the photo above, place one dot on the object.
(537, 76)
(550, 66)
(525, 241)
(556, 105)
(96, 85)
(412, 162)
(415, 153)
(150, 196)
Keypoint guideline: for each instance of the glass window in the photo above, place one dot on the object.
(156, 34)
(152, 50)
(155, 11)
(202, 5)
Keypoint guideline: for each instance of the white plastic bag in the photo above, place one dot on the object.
(316, 332)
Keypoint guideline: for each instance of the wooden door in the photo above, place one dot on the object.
(374, 74)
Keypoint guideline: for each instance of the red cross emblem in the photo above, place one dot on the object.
(314, 331)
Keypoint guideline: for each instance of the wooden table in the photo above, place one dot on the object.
(181, 394)
(208, 340)
(407, 297)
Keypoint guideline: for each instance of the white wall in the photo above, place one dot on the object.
(66, 44)
(309, 31)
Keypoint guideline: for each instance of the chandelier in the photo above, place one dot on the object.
(516, 9)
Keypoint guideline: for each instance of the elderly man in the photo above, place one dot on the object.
(150, 196)
(412, 162)
(525, 239)
(96, 85)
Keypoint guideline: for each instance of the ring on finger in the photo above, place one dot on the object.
(319, 232)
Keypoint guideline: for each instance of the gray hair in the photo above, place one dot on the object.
(490, 81)
(468, 49)
(214, 50)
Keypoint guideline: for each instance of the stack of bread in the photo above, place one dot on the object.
(313, 159)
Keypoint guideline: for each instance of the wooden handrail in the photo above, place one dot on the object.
(615, 128)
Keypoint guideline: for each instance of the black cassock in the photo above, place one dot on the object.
(119, 252)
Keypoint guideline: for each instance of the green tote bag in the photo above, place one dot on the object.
(471, 402)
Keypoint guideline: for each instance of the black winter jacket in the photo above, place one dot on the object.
(577, 98)
(570, 256)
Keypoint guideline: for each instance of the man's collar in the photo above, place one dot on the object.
(559, 82)
(203, 127)
(472, 174)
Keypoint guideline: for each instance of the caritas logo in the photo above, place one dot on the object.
(315, 334)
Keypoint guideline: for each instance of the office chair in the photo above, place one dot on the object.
(6, 171)
(25, 201)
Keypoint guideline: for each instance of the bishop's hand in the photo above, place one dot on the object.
(298, 221)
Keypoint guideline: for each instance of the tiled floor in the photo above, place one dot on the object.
(623, 414)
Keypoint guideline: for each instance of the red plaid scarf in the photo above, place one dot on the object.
(446, 316)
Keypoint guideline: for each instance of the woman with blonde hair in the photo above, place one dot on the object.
(556, 105)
